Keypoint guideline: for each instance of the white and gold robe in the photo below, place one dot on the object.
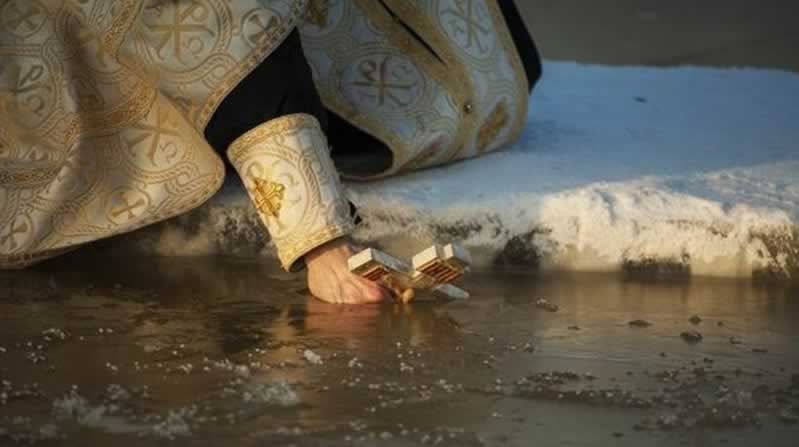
(103, 106)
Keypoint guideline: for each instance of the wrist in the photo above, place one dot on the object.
(336, 244)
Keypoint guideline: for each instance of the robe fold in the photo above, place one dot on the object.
(117, 114)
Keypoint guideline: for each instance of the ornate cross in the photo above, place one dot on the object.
(185, 24)
(268, 197)
(379, 78)
(261, 36)
(155, 132)
(433, 269)
(127, 207)
(465, 20)
(31, 17)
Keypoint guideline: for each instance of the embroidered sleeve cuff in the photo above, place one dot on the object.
(287, 170)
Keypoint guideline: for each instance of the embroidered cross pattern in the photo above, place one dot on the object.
(154, 132)
(126, 206)
(433, 269)
(377, 78)
(268, 197)
(32, 81)
(261, 36)
(464, 20)
(187, 22)
(31, 17)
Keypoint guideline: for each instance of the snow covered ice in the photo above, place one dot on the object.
(692, 167)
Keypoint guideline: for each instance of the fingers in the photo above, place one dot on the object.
(400, 293)
(330, 280)
(407, 296)
(349, 294)
(355, 290)
(371, 291)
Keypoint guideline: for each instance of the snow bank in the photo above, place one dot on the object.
(691, 170)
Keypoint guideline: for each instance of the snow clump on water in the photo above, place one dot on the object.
(175, 424)
(278, 393)
(74, 406)
(312, 357)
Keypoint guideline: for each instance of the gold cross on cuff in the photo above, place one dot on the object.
(268, 197)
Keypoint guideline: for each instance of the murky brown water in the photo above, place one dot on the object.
(211, 352)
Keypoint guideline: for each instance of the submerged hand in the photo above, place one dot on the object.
(330, 279)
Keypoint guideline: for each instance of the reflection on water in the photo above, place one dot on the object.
(212, 350)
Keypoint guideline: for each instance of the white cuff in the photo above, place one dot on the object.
(287, 170)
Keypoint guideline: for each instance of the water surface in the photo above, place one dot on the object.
(215, 352)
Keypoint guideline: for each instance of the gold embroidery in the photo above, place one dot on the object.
(466, 62)
(18, 261)
(520, 81)
(268, 130)
(317, 12)
(131, 83)
(291, 256)
(494, 123)
(268, 197)
(14, 230)
(29, 177)
(310, 199)
(138, 61)
(271, 38)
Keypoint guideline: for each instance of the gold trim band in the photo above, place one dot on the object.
(291, 179)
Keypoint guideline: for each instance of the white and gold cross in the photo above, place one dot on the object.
(433, 269)
(268, 197)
